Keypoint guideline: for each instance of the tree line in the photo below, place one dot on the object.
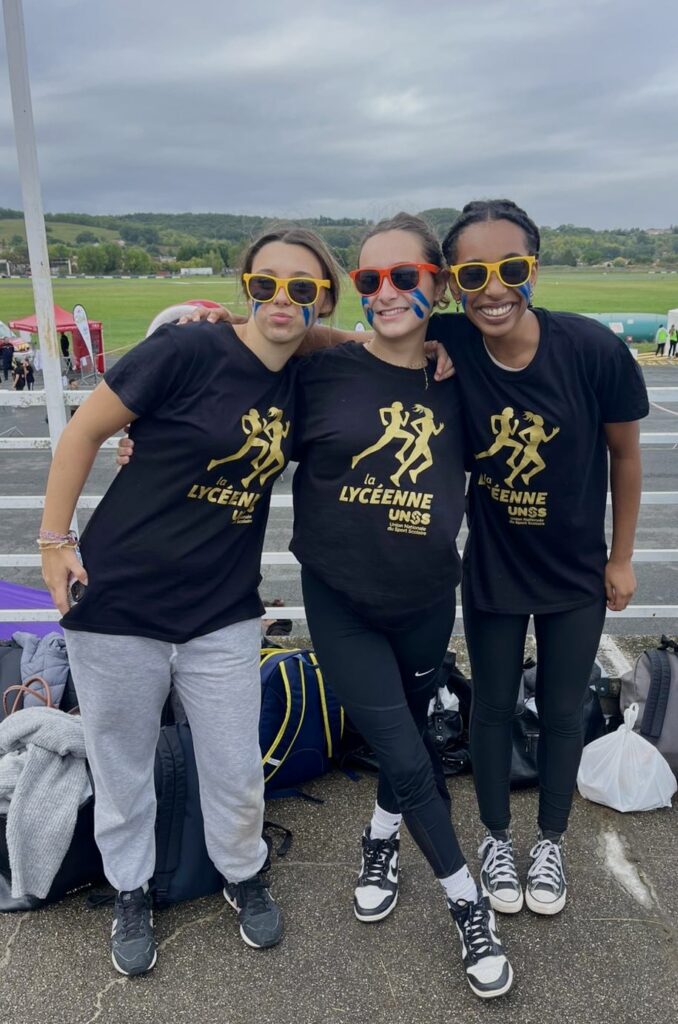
(143, 243)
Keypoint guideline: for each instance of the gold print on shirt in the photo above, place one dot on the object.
(263, 443)
(266, 437)
(524, 462)
(409, 511)
(533, 436)
(415, 454)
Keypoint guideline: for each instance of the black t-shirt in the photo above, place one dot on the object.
(174, 548)
(538, 458)
(379, 492)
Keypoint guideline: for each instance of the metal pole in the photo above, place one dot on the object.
(34, 217)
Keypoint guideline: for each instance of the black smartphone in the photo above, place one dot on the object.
(76, 591)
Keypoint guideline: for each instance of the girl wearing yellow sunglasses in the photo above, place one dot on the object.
(378, 500)
(170, 568)
(548, 397)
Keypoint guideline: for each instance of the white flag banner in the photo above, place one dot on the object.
(81, 322)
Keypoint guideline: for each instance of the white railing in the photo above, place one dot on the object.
(74, 398)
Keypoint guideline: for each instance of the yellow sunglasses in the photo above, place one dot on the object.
(512, 272)
(302, 291)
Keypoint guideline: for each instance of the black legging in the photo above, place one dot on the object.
(383, 675)
(566, 649)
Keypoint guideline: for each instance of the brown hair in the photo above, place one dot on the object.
(309, 240)
(430, 244)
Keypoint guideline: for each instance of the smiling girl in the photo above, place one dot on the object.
(378, 500)
(548, 397)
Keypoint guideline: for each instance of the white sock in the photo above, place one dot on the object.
(460, 886)
(384, 824)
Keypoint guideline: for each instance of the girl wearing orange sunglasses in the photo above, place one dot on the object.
(378, 500)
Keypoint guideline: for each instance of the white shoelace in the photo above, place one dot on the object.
(547, 865)
(498, 861)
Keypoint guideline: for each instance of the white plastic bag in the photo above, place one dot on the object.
(626, 772)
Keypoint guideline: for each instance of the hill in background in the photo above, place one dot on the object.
(142, 243)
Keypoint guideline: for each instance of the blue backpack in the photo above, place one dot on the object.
(301, 722)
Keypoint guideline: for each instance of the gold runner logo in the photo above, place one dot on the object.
(415, 433)
(524, 459)
(264, 437)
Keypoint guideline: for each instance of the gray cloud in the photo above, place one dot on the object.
(353, 108)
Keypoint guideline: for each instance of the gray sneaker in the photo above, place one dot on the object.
(261, 922)
(546, 890)
(498, 875)
(133, 946)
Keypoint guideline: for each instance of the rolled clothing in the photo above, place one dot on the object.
(44, 656)
(43, 782)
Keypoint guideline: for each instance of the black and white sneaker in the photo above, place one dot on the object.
(377, 891)
(546, 889)
(133, 947)
(498, 875)
(261, 921)
(487, 969)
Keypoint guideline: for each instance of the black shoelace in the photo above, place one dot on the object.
(132, 917)
(253, 892)
(476, 928)
(377, 853)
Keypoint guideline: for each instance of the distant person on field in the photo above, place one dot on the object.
(19, 376)
(65, 344)
(673, 340)
(7, 349)
(660, 338)
(29, 374)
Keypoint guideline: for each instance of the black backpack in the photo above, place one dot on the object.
(80, 867)
(183, 869)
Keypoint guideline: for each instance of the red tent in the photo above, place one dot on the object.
(66, 324)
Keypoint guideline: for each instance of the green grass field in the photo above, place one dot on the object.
(126, 307)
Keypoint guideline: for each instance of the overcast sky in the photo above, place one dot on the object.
(353, 108)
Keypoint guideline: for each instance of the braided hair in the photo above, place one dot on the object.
(491, 209)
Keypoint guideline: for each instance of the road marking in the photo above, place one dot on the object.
(671, 412)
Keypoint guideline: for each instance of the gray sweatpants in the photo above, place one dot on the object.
(122, 684)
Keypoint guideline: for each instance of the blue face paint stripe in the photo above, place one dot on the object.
(367, 310)
(526, 291)
(256, 306)
(464, 300)
(419, 295)
(307, 314)
(417, 310)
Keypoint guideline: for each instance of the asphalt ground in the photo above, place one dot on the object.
(611, 956)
